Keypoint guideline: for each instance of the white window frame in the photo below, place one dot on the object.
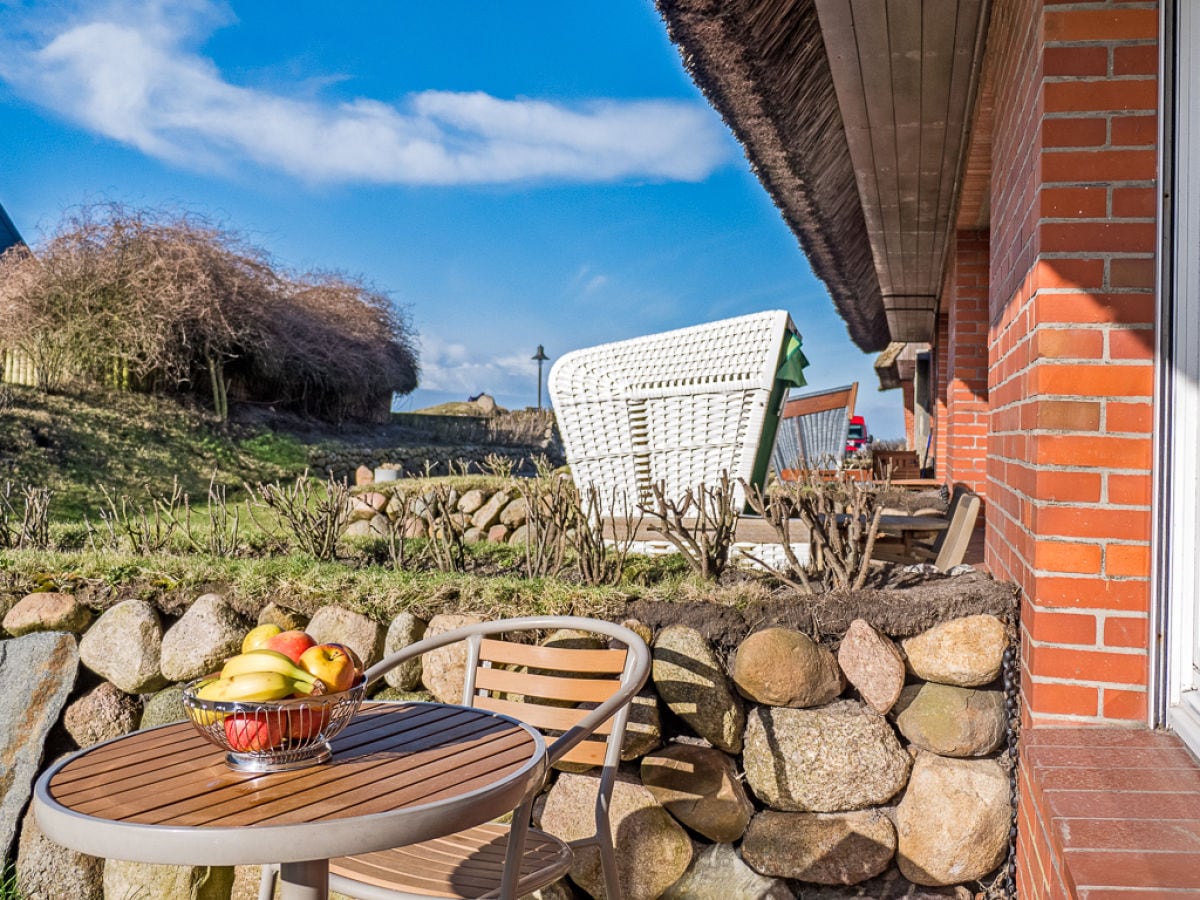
(1176, 680)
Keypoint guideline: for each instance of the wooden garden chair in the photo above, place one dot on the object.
(579, 699)
(949, 548)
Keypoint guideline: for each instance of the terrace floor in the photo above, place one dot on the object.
(1108, 814)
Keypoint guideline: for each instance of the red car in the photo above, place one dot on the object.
(857, 437)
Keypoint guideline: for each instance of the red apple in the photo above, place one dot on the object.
(291, 644)
(335, 664)
(253, 731)
(306, 721)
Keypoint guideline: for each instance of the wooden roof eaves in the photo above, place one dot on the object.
(762, 65)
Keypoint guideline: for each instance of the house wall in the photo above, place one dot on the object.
(1071, 312)
(966, 351)
(1071, 331)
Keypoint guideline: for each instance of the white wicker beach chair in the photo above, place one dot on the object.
(680, 407)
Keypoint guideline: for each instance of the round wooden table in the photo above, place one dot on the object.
(401, 773)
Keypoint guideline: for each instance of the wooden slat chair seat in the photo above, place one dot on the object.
(579, 699)
(465, 865)
(949, 548)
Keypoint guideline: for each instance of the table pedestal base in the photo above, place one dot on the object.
(304, 880)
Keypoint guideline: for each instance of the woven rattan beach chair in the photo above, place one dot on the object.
(680, 407)
(578, 698)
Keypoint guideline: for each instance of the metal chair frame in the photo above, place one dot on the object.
(616, 707)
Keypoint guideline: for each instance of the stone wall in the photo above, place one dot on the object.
(442, 459)
(788, 765)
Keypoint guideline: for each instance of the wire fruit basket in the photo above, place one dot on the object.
(273, 735)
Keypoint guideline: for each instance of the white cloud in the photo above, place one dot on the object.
(130, 73)
(452, 367)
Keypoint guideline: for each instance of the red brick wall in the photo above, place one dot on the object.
(941, 388)
(1071, 336)
(908, 388)
(966, 355)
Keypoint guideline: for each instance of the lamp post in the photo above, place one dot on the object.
(541, 357)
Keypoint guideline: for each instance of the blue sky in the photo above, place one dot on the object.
(512, 174)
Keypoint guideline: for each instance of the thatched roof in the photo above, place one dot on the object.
(762, 65)
(858, 124)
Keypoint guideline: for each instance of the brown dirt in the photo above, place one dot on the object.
(898, 609)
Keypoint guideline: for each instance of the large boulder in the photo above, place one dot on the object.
(873, 664)
(826, 848)
(952, 721)
(47, 869)
(835, 758)
(164, 707)
(286, 619)
(953, 822)
(205, 636)
(653, 851)
(444, 670)
(404, 631)
(489, 514)
(643, 730)
(783, 667)
(337, 625)
(134, 879)
(967, 652)
(718, 873)
(37, 672)
(470, 502)
(515, 513)
(124, 646)
(101, 714)
(691, 681)
(47, 611)
(700, 787)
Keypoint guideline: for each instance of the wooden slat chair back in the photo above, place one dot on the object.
(579, 699)
(949, 547)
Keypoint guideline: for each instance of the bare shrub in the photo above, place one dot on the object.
(701, 525)
(842, 518)
(499, 465)
(601, 560)
(551, 511)
(521, 428)
(314, 513)
(219, 534)
(147, 529)
(170, 302)
(399, 524)
(444, 526)
(28, 528)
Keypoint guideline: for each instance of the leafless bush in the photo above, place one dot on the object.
(315, 516)
(601, 560)
(160, 301)
(219, 535)
(146, 529)
(28, 528)
(400, 520)
(551, 511)
(842, 518)
(444, 526)
(701, 526)
(499, 465)
(521, 428)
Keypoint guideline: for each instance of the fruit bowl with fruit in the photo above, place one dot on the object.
(275, 706)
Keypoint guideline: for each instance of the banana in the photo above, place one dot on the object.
(252, 686)
(265, 661)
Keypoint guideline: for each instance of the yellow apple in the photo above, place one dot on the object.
(257, 638)
(335, 664)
